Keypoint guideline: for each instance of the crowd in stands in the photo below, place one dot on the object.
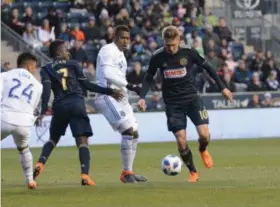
(88, 25)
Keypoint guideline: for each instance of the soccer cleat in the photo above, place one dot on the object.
(193, 177)
(207, 159)
(140, 178)
(128, 177)
(38, 170)
(86, 180)
(31, 184)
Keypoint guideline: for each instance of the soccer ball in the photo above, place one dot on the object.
(171, 165)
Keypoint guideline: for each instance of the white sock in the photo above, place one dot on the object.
(26, 161)
(126, 150)
(134, 148)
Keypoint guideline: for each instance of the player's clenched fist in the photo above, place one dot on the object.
(117, 94)
(227, 94)
(141, 105)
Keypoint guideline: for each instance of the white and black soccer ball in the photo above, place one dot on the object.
(171, 165)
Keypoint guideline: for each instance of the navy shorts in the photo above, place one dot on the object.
(177, 115)
(73, 112)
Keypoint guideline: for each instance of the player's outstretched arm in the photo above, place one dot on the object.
(200, 61)
(113, 77)
(117, 94)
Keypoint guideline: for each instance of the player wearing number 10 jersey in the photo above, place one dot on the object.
(66, 79)
(20, 95)
(175, 63)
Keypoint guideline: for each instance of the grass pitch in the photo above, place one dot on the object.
(246, 173)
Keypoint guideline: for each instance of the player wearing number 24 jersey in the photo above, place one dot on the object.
(20, 96)
(66, 79)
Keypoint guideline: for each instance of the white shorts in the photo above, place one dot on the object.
(20, 134)
(119, 114)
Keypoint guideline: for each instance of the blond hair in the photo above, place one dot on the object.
(170, 32)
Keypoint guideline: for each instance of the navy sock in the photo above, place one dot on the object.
(203, 143)
(46, 152)
(84, 156)
(187, 157)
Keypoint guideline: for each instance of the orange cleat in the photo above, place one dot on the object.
(207, 159)
(31, 184)
(193, 178)
(38, 170)
(87, 181)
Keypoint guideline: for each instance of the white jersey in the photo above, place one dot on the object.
(111, 67)
(20, 95)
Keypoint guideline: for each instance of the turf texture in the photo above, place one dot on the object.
(246, 173)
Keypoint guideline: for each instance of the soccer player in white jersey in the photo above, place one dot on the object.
(21, 93)
(111, 72)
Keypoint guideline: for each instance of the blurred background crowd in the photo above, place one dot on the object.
(87, 25)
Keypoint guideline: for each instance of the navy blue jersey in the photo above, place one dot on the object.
(178, 85)
(64, 76)
(66, 79)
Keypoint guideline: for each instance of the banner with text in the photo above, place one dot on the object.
(224, 124)
(246, 9)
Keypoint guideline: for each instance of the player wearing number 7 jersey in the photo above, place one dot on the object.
(66, 79)
(21, 93)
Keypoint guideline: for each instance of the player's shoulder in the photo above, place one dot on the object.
(108, 49)
(158, 53)
(186, 47)
(72, 62)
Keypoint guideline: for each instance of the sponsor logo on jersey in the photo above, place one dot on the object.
(183, 61)
(175, 73)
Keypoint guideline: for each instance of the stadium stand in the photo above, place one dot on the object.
(88, 25)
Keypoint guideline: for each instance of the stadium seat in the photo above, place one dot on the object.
(237, 50)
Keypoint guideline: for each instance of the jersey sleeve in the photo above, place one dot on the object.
(78, 70)
(108, 64)
(197, 58)
(46, 91)
(148, 79)
(87, 84)
(203, 63)
(44, 76)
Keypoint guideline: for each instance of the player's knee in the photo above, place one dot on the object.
(82, 141)
(203, 132)
(128, 132)
(21, 148)
(204, 135)
(135, 134)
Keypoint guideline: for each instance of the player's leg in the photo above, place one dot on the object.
(81, 130)
(177, 123)
(21, 137)
(199, 116)
(58, 127)
(118, 119)
(132, 119)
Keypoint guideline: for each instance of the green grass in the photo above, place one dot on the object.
(246, 173)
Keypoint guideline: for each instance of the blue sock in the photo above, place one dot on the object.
(84, 156)
(46, 151)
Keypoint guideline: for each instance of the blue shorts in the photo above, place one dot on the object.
(70, 111)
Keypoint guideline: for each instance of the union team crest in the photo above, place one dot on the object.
(183, 61)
